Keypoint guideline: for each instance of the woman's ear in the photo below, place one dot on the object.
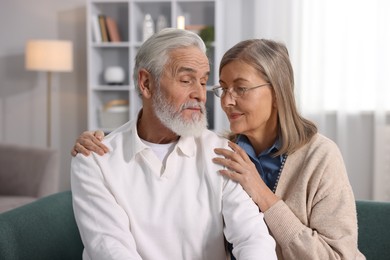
(274, 100)
(144, 83)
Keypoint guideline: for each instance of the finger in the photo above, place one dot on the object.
(230, 174)
(89, 142)
(96, 138)
(99, 134)
(238, 150)
(73, 152)
(224, 152)
(231, 155)
(99, 147)
(84, 138)
(78, 148)
(227, 163)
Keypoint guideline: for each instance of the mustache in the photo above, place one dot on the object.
(194, 104)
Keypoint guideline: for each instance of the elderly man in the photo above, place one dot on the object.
(157, 194)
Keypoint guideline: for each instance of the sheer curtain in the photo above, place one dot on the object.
(342, 54)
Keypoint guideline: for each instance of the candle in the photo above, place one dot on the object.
(181, 22)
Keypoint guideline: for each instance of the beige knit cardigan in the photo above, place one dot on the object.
(316, 218)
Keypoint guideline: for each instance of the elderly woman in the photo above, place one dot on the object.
(295, 175)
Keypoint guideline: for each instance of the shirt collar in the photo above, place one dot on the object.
(136, 142)
(244, 142)
(187, 145)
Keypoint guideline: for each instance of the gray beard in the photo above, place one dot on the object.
(173, 120)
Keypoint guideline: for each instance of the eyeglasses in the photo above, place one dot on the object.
(235, 92)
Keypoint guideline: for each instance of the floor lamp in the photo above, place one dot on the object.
(49, 56)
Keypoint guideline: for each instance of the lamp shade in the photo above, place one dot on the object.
(49, 55)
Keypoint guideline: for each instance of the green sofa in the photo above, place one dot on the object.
(374, 229)
(42, 230)
(46, 230)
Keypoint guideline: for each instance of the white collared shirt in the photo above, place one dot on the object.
(128, 206)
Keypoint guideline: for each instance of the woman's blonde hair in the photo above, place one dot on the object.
(272, 61)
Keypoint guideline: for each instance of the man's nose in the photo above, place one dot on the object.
(199, 92)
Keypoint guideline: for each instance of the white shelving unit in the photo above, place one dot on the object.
(129, 15)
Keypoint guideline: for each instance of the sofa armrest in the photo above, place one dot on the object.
(374, 228)
(44, 229)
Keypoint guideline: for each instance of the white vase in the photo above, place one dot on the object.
(114, 75)
(148, 27)
(161, 23)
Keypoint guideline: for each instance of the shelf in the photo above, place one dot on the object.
(111, 88)
(129, 16)
(110, 44)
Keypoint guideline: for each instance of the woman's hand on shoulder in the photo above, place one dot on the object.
(240, 168)
(90, 141)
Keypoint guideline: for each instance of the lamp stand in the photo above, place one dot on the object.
(48, 123)
(49, 56)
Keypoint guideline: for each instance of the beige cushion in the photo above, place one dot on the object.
(26, 173)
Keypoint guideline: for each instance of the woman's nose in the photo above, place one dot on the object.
(228, 99)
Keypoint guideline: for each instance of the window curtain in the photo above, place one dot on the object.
(340, 50)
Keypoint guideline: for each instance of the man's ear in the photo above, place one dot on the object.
(144, 83)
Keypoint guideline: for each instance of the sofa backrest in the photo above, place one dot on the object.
(28, 171)
(374, 229)
(42, 230)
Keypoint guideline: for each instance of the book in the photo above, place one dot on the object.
(103, 28)
(96, 34)
(113, 31)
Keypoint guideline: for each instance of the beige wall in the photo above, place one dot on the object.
(23, 93)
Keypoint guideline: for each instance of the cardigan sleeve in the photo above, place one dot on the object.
(316, 218)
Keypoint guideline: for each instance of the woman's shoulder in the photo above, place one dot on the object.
(319, 148)
(322, 143)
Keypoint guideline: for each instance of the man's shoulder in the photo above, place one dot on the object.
(118, 141)
(212, 139)
(118, 133)
(210, 136)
